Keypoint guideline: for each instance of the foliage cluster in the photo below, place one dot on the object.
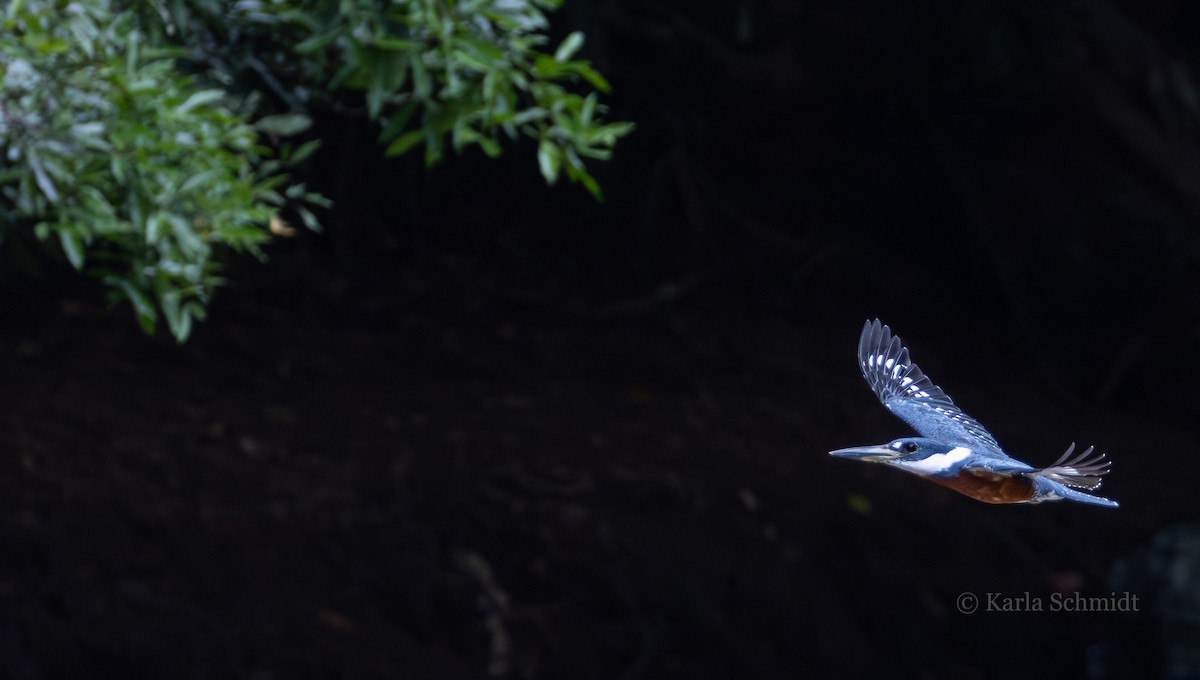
(136, 138)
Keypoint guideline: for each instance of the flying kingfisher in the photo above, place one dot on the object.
(954, 450)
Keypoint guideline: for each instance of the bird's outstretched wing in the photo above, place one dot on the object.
(906, 391)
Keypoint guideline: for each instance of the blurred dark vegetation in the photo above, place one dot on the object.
(1013, 186)
(1028, 166)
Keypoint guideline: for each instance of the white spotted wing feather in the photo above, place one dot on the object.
(907, 392)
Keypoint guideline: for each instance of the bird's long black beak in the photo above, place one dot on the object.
(872, 454)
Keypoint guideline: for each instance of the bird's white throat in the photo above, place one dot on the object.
(938, 462)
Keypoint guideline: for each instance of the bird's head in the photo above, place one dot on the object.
(916, 454)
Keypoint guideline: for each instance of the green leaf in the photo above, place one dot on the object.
(484, 51)
(178, 316)
(344, 75)
(196, 309)
(569, 47)
(433, 151)
(201, 98)
(589, 110)
(529, 115)
(309, 219)
(72, 246)
(591, 185)
(549, 160)
(392, 44)
(589, 74)
(192, 183)
(316, 43)
(399, 121)
(284, 124)
(142, 307)
(43, 179)
(405, 142)
(303, 151)
(489, 146)
(422, 81)
(547, 67)
(375, 95)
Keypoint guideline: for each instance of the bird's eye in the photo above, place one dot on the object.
(910, 447)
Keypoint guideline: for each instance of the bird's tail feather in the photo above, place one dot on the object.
(1081, 472)
(1047, 490)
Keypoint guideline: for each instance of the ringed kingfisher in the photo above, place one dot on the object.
(954, 450)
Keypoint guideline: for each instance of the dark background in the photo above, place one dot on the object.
(486, 428)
